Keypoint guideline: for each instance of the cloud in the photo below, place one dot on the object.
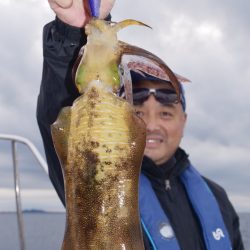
(208, 42)
(211, 47)
(21, 65)
(241, 202)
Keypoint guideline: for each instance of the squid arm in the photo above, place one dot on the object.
(140, 60)
(115, 59)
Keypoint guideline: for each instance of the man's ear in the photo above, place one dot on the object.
(184, 122)
(185, 117)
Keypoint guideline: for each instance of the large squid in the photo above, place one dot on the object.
(100, 142)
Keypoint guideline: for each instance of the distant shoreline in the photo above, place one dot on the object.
(34, 211)
(37, 211)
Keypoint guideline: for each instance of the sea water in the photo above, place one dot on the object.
(44, 231)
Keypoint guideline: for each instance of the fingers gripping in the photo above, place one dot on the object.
(62, 3)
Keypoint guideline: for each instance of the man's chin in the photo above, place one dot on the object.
(153, 145)
(151, 154)
(156, 155)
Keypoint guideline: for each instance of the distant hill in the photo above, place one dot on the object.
(34, 211)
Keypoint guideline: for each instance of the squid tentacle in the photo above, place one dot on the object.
(126, 57)
(134, 50)
(126, 81)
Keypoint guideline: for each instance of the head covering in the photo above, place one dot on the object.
(137, 77)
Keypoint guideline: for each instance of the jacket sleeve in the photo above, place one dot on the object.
(237, 239)
(229, 214)
(61, 44)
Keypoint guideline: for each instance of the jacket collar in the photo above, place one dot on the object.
(173, 167)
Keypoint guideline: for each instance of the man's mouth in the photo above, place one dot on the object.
(153, 142)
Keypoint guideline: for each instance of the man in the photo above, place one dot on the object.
(165, 164)
(194, 212)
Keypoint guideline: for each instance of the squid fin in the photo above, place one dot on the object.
(60, 134)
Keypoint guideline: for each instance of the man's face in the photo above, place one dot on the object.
(165, 125)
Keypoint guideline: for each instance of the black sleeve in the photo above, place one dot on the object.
(237, 239)
(61, 44)
(229, 214)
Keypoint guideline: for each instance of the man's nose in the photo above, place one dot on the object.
(151, 122)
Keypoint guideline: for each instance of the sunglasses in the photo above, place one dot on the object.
(164, 96)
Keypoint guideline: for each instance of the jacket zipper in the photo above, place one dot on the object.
(167, 184)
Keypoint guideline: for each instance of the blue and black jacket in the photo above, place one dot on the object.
(172, 195)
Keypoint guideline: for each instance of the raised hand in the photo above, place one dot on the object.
(73, 12)
(77, 12)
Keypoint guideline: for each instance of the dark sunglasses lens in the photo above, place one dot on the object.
(140, 95)
(166, 96)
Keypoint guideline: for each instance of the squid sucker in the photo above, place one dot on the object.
(100, 143)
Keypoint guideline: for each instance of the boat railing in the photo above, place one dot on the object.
(14, 140)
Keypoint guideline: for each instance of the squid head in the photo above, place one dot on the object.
(110, 61)
(101, 55)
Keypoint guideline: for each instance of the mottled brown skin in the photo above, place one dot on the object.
(100, 143)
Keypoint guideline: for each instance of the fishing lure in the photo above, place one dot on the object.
(100, 8)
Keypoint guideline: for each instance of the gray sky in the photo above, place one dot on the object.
(206, 41)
